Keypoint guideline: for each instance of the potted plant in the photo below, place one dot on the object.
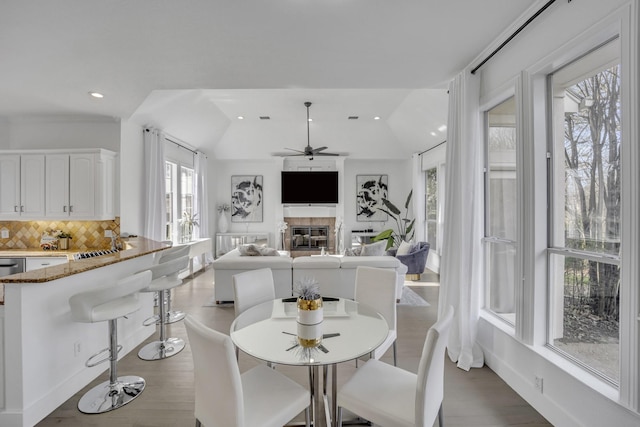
(187, 222)
(63, 240)
(404, 225)
(223, 222)
(310, 314)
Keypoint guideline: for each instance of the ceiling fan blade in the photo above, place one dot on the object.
(293, 149)
(326, 154)
(317, 150)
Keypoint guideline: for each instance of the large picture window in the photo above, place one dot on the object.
(584, 272)
(500, 210)
(179, 201)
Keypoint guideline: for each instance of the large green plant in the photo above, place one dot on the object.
(404, 225)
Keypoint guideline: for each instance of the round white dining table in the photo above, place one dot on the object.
(268, 331)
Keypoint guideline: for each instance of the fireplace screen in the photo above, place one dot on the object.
(309, 237)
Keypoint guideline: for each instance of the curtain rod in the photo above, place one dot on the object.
(168, 138)
(515, 33)
(429, 149)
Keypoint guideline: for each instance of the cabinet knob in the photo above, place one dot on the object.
(21, 208)
(64, 208)
(15, 208)
(70, 208)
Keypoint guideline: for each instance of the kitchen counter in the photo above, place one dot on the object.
(136, 247)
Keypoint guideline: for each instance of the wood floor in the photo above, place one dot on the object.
(475, 398)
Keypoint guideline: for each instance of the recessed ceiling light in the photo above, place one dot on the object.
(240, 117)
(310, 119)
(96, 94)
(376, 118)
(442, 128)
(434, 134)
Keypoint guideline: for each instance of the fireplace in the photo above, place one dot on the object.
(308, 235)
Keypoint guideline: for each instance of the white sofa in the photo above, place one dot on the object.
(336, 276)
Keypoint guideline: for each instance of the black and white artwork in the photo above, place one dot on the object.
(246, 198)
(370, 190)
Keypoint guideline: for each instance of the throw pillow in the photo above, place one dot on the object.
(353, 251)
(374, 249)
(264, 251)
(249, 250)
(404, 248)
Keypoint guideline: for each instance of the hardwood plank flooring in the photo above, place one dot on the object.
(475, 398)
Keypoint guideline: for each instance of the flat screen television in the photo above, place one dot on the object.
(309, 187)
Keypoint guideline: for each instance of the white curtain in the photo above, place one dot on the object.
(201, 200)
(461, 267)
(155, 209)
(418, 198)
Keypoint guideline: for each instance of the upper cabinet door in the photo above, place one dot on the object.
(82, 186)
(57, 185)
(9, 185)
(32, 186)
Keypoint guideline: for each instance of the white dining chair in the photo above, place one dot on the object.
(376, 287)
(389, 396)
(226, 398)
(251, 288)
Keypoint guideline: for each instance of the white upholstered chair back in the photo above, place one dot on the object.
(252, 288)
(430, 384)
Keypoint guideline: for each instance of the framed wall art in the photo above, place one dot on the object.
(370, 190)
(246, 198)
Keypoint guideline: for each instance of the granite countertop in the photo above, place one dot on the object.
(35, 252)
(136, 247)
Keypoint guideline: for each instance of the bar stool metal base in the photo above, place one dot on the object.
(174, 316)
(108, 396)
(158, 350)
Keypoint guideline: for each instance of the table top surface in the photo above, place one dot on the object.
(268, 332)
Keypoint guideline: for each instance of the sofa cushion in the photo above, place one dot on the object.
(232, 260)
(264, 251)
(316, 262)
(353, 251)
(374, 249)
(249, 250)
(382, 261)
(405, 248)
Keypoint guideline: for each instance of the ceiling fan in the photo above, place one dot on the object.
(308, 150)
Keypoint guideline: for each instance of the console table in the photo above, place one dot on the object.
(226, 242)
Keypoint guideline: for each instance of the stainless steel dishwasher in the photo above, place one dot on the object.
(10, 266)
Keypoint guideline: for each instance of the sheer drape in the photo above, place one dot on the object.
(461, 268)
(155, 208)
(201, 199)
(418, 198)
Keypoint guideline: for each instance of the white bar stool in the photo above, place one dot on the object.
(108, 304)
(174, 252)
(164, 278)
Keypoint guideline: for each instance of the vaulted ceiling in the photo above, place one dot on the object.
(192, 67)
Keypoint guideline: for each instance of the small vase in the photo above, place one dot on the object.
(223, 223)
(63, 243)
(309, 319)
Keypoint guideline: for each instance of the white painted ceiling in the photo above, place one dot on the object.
(190, 67)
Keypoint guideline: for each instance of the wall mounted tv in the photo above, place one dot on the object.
(309, 187)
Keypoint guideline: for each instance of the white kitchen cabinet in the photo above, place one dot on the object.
(22, 186)
(80, 185)
(34, 262)
(57, 184)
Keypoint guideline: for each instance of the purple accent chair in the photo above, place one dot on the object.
(416, 260)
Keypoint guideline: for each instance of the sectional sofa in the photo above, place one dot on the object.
(336, 275)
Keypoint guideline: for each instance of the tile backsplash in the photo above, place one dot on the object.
(86, 235)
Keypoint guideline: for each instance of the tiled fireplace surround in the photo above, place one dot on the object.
(311, 221)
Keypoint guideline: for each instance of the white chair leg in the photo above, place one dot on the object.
(395, 356)
(339, 417)
(307, 417)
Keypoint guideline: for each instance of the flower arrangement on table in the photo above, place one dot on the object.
(310, 314)
(282, 227)
(187, 222)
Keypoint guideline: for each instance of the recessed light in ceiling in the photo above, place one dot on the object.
(96, 95)
(376, 118)
(310, 119)
(442, 128)
(240, 117)
(265, 118)
(434, 134)
(353, 117)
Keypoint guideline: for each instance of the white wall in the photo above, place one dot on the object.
(131, 179)
(570, 397)
(44, 133)
(399, 172)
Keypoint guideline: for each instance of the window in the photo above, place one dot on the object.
(500, 210)
(179, 201)
(584, 249)
(431, 206)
